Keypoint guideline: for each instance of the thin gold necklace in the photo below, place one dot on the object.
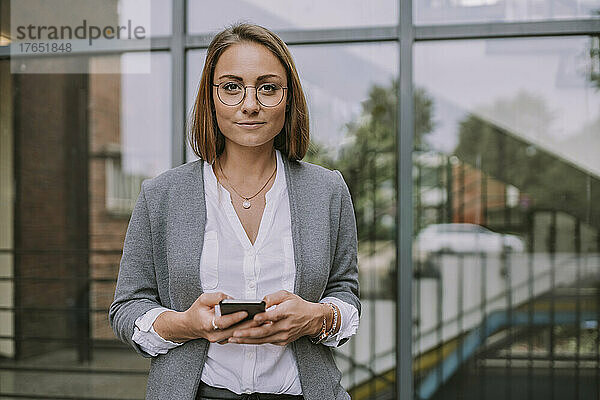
(246, 203)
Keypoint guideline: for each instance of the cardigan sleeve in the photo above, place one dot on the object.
(136, 291)
(343, 277)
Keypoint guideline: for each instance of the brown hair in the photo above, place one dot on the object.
(205, 138)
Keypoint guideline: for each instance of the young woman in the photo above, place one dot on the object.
(248, 220)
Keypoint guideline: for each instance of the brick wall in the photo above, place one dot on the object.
(107, 231)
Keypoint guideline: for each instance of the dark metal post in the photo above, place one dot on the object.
(372, 275)
(80, 192)
(449, 191)
(178, 83)
(578, 298)
(460, 390)
(531, 304)
(481, 368)
(404, 228)
(552, 251)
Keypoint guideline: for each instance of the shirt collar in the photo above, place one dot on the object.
(278, 187)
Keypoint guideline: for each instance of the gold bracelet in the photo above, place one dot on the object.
(335, 320)
(324, 334)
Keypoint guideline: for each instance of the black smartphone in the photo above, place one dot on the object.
(252, 307)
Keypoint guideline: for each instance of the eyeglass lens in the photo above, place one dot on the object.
(232, 93)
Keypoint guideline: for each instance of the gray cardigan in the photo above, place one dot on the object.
(161, 261)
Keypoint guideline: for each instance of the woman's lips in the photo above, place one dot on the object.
(250, 125)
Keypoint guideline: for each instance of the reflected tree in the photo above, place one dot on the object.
(552, 182)
(368, 159)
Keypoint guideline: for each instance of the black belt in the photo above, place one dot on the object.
(206, 392)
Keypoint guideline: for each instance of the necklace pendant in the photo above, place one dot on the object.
(246, 204)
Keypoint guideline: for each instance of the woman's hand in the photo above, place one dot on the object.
(197, 321)
(200, 316)
(292, 318)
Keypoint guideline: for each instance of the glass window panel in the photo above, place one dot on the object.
(130, 141)
(206, 17)
(465, 11)
(195, 63)
(82, 144)
(7, 193)
(160, 18)
(506, 179)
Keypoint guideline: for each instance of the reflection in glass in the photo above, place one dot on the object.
(195, 62)
(82, 145)
(7, 193)
(205, 17)
(158, 20)
(507, 244)
(130, 141)
(469, 11)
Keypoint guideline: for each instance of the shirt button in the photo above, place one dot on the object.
(247, 391)
(248, 355)
(251, 284)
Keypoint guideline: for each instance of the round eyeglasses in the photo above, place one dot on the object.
(233, 93)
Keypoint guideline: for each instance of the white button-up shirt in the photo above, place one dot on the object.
(232, 265)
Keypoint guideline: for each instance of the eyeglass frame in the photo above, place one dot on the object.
(246, 91)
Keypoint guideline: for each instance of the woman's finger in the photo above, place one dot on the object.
(225, 321)
(223, 335)
(276, 338)
(277, 314)
(261, 331)
(212, 299)
(277, 297)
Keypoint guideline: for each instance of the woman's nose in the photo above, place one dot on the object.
(250, 103)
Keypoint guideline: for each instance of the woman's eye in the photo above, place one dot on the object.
(231, 87)
(268, 88)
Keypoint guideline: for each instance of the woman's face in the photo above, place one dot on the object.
(249, 123)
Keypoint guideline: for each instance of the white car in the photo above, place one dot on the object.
(463, 238)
